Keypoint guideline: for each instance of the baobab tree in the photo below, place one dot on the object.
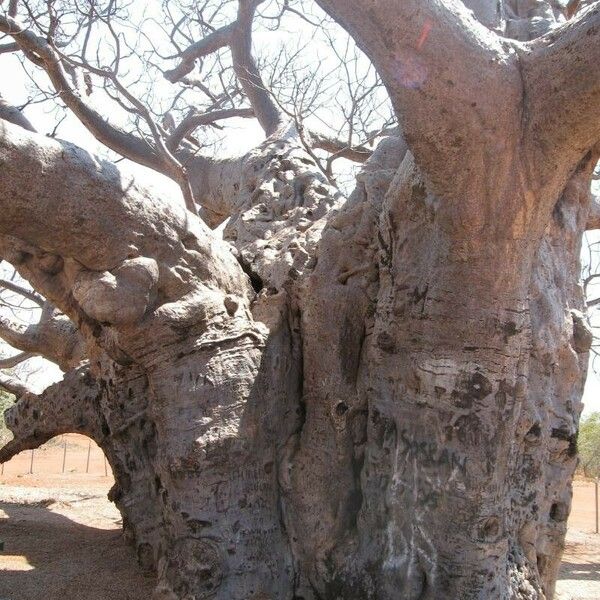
(364, 396)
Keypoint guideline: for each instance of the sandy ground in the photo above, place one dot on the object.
(579, 577)
(62, 537)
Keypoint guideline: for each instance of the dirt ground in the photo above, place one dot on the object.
(579, 577)
(62, 537)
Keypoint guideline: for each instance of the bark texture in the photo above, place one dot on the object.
(365, 398)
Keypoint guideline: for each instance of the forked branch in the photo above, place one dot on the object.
(435, 59)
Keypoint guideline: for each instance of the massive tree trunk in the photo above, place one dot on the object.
(371, 398)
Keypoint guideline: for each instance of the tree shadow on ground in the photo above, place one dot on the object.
(581, 571)
(48, 556)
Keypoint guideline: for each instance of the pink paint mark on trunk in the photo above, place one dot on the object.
(424, 34)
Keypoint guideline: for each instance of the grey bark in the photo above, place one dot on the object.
(365, 398)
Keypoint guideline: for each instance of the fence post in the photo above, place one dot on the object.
(64, 454)
(31, 463)
(596, 501)
(87, 466)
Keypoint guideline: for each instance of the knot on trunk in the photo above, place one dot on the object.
(582, 333)
(117, 297)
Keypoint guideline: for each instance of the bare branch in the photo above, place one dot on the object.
(17, 289)
(39, 51)
(8, 48)
(238, 36)
(12, 361)
(13, 5)
(14, 115)
(340, 148)
(195, 120)
(592, 303)
(563, 89)
(247, 71)
(211, 43)
(14, 385)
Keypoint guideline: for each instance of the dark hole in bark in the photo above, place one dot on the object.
(255, 279)
(124, 481)
(566, 436)
(471, 387)
(386, 342)
(557, 215)
(341, 409)
(534, 434)
(149, 439)
(509, 329)
(196, 525)
(559, 512)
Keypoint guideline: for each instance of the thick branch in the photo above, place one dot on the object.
(435, 59)
(12, 361)
(55, 338)
(211, 43)
(8, 48)
(247, 72)
(83, 207)
(70, 406)
(16, 335)
(99, 245)
(14, 115)
(339, 148)
(562, 78)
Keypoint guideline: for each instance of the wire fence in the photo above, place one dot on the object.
(65, 455)
(78, 456)
(585, 510)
